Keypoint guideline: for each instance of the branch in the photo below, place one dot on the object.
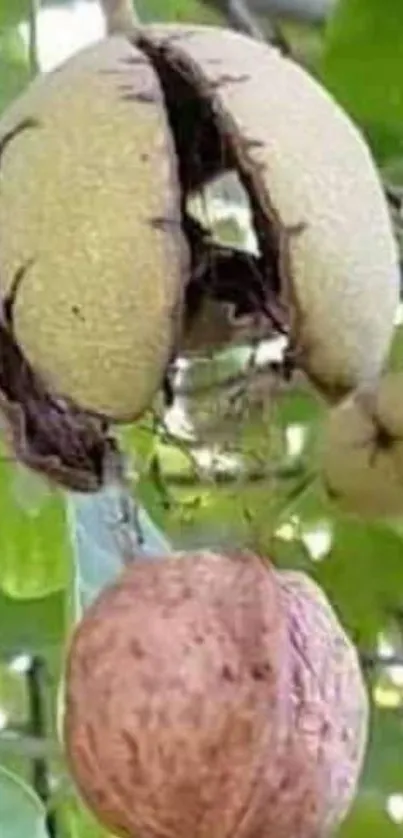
(34, 9)
(19, 744)
(224, 477)
(394, 195)
(311, 11)
(35, 679)
(271, 374)
(304, 11)
(120, 16)
(241, 18)
(370, 660)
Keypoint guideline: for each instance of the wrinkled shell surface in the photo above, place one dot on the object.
(330, 704)
(81, 193)
(199, 702)
(361, 453)
(306, 163)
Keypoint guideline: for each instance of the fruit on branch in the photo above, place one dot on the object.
(225, 697)
(105, 275)
(328, 264)
(90, 206)
(361, 452)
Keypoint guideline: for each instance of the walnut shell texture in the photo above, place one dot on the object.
(329, 700)
(188, 713)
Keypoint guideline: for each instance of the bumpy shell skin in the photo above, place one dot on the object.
(307, 164)
(361, 454)
(89, 203)
(194, 704)
(330, 705)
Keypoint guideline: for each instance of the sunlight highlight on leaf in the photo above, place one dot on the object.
(295, 438)
(387, 697)
(394, 807)
(318, 541)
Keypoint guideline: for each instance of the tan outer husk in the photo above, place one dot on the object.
(96, 312)
(208, 715)
(361, 469)
(307, 164)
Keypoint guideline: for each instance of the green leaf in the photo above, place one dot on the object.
(363, 575)
(369, 819)
(14, 67)
(176, 10)
(383, 769)
(13, 696)
(78, 821)
(21, 812)
(363, 67)
(395, 362)
(33, 545)
(31, 625)
(13, 11)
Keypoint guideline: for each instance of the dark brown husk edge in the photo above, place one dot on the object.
(208, 143)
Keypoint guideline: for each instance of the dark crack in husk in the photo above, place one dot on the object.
(208, 145)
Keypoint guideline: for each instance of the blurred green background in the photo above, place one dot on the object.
(233, 464)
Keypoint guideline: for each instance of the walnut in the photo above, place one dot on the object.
(209, 695)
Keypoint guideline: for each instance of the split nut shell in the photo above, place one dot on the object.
(97, 162)
(89, 206)
(318, 208)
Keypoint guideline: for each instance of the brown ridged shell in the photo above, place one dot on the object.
(210, 696)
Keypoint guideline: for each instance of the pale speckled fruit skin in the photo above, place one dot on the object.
(97, 311)
(364, 477)
(187, 711)
(311, 166)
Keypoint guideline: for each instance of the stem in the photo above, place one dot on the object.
(241, 18)
(310, 11)
(370, 660)
(120, 16)
(34, 9)
(40, 781)
(16, 742)
(220, 477)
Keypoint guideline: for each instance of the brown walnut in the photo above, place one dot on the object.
(209, 695)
